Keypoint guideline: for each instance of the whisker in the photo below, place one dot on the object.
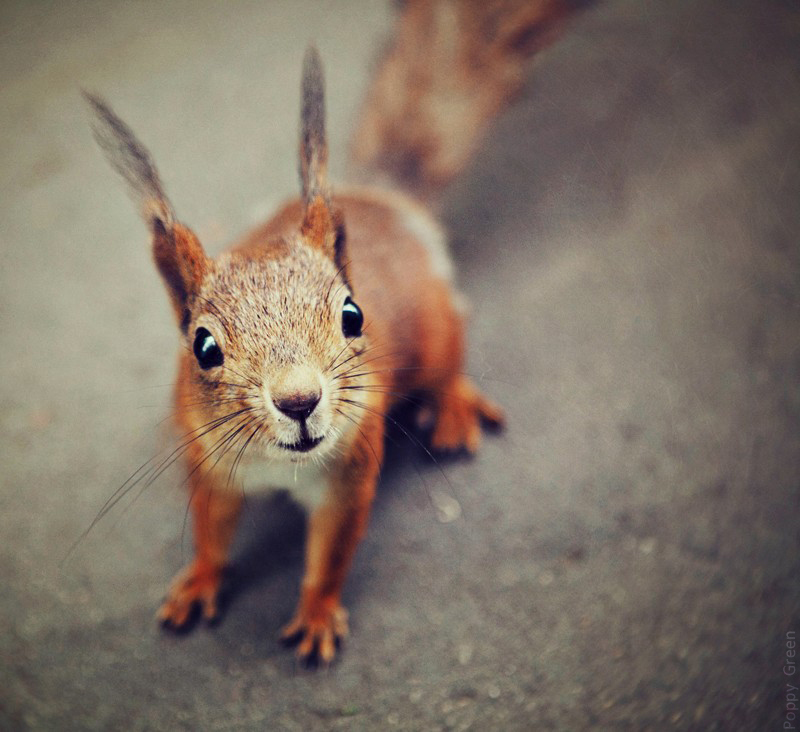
(153, 479)
(391, 439)
(151, 473)
(222, 442)
(223, 321)
(334, 278)
(416, 401)
(213, 424)
(232, 443)
(410, 436)
(333, 361)
(423, 368)
(240, 455)
(216, 402)
(249, 379)
(358, 427)
(173, 456)
(363, 362)
(163, 468)
(225, 443)
(232, 385)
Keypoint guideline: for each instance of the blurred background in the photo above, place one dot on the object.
(624, 556)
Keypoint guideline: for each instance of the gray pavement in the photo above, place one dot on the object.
(627, 553)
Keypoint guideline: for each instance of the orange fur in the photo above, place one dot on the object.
(214, 517)
(334, 532)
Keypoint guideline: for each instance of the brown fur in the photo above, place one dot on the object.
(450, 69)
(273, 306)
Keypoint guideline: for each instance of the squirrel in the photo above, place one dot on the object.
(296, 343)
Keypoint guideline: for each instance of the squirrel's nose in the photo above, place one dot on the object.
(297, 406)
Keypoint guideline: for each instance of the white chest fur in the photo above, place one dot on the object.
(306, 482)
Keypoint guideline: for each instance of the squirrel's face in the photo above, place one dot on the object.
(276, 340)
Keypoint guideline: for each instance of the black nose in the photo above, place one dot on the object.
(297, 406)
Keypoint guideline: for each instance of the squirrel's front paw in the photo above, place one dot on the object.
(317, 627)
(196, 585)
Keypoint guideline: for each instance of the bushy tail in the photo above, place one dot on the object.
(449, 71)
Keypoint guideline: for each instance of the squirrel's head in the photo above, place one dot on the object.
(277, 338)
(274, 334)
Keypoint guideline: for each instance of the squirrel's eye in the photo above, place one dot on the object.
(206, 350)
(352, 319)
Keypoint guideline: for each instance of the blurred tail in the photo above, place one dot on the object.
(451, 68)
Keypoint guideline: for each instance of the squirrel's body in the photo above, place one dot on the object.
(283, 381)
(401, 270)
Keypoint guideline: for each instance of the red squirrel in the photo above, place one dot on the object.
(296, 342)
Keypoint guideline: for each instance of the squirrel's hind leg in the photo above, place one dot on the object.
(458, 408)
(460, 411)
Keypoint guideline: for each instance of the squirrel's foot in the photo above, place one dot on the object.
(196, 585)
(461, 409)
(317, 629)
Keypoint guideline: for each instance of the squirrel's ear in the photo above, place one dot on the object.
(177, 252)
(182, 263)
(320, 226)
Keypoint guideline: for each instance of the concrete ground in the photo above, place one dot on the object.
(626, 555)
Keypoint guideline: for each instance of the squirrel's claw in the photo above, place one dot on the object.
(195, 586)
(318, 637)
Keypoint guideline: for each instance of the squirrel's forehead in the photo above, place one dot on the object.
(288, 281)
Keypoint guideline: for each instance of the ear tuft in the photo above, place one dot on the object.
(313, 145)
(131, 160)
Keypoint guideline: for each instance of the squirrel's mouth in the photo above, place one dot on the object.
(304, 444)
